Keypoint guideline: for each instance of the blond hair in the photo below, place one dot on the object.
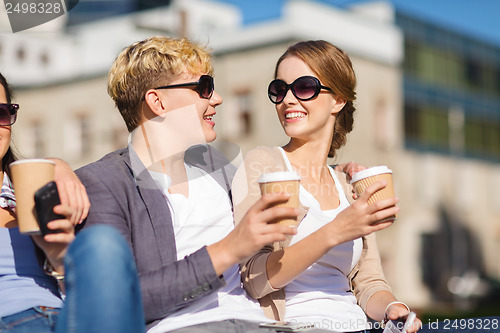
(150, 63)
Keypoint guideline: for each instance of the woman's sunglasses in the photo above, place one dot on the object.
(204, 86)
(8, 114)
(304, 88)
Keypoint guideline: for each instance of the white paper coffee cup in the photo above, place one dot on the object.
(362, 179)
(282, 182)
(28, 176)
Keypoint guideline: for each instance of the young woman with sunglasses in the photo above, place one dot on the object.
(32, 268)
(329, 274)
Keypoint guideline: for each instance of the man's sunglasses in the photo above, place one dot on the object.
(304, 88)
(8, 114)
(204, 86)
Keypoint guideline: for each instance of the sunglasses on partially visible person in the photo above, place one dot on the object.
(304, 88)
(204, 86)
(8, 113)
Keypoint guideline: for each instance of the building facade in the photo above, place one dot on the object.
(418, 120)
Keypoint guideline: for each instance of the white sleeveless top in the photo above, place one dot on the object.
(321, 294)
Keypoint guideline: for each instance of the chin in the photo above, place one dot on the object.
(210, 137)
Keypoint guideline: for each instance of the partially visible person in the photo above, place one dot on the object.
(170, 202)
(32, 269)
(329, 273)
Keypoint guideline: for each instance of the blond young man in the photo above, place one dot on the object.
(174, 208)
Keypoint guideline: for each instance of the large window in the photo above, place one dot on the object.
(443, 71)
(427, 127)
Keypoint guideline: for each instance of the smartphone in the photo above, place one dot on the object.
(46, 198)
(400, 326)
(288, 326)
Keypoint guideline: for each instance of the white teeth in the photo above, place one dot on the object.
(293, 115)
(208, 117)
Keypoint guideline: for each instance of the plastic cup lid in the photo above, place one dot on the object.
(32, 160)
(280, 176)
(373, 171)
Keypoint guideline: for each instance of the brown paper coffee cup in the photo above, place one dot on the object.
(282, 182)
(28, 176)
(362, 179)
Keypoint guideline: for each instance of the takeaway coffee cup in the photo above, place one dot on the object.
(282, 182)
(362, 179)
(28, 176)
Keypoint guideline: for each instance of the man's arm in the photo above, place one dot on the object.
(168, 286)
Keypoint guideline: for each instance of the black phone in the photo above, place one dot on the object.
(46, 198)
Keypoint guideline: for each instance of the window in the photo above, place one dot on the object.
(21, 54)
(44, 59)
(238, 117)
(77, 136)
(84, 132)
(35, 145)
(244, 109)
(473, 74)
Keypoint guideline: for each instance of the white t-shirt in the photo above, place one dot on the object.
(321, 294)
(204, 218)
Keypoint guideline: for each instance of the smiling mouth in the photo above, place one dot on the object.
(295, 115)
(209, 117)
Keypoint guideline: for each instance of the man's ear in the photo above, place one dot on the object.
(153, 100)
(338, 105)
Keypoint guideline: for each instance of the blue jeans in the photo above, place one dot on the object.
(102, 290)
(38, 319)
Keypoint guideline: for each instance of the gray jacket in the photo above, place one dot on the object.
(131, 202)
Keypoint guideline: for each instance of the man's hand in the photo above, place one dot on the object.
(253, 232)
(350, 168)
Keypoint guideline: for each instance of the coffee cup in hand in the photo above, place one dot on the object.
(28, 176)
(362, 179)
(282, 182)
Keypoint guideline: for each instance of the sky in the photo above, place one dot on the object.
(475, 18)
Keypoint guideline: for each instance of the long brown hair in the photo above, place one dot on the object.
(9, 156)
(334, 69)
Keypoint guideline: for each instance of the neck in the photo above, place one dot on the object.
(154, 153)
(308, 157)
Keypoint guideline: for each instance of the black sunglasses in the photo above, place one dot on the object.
(304, 88)
(8, 114)
(204, 86)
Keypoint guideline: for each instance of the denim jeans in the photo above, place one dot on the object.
(38, 319)
(102, 290)
(102, 287)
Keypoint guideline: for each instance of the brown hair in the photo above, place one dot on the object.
(334, 69)
(9, 156)
(151, 63)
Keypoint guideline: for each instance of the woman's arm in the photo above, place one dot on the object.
(384, 306)
(356, 221)
(71, 191)
(270, 270)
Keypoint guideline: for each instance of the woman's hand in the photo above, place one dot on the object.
(55, 245)
(71, 191)
(361, 219)
(398, 311)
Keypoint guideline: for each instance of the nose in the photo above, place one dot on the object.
(289, 97)
(216, 99)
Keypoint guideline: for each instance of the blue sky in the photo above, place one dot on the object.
(476, 18)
